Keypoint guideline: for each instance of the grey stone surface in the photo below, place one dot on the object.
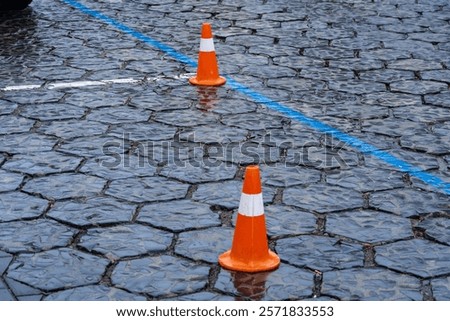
(206, 170)
(179, 215)
(34, 236)
(94, 293)
(134, 240)
(160, 276)
(92, 211)
(17, 205)
(63, 186)
(68, 129)
(56, 269)
(320, 252)
(118, 166)
(284, 220)
(267, 286)
(322, 198)
(13, 124)
(52, 111)
(409, 202)
(285, 175)
(369, 226)
(441, 289)
(42, 163)
(437, 228)
(147, 189)
(372, 284)
(205, 245)
(5, 259)
(419, 257)
(25, 143)
(9, 181)
(366, 180)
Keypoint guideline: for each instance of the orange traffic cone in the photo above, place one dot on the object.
(207, 70)
(250, 251)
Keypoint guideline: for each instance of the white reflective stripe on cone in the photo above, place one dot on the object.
(207, 45)
(251, 205)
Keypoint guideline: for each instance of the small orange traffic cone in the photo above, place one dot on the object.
(207, 69)
(250, 251)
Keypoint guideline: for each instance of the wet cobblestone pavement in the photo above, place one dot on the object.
(120, 181)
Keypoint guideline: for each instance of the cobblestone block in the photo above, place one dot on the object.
(369, 226)
(52, 111)
(179, 215)
(63, 186)
(204, 245)
(365, 180)
(9, 181)
(267, 286)
(160, 276)
(393, 127)
(437, 228)
(322, 198)
(441, 289)
(206, 170)
(409, 202)
(7, 107)
(134, 240)
(436, 143)
(42, 163)
(414, 65)
(203, 296)
(118, 115)
(441, 99)
(284, 220)
(142, 132)
(321, 158)
(13, 124)
(94, 293)
(96, 99)
(186, 118)
(419, 257)
(371, 284)
(96, 146)
(92, 211)
(21, 290)
(73, 128)
(17, 205)
(355, 111)
(5, 259)
(147, 189)
(5, 295)
(285, 175)
(217, 134)
(34, 236)
(319, 252)
(63, 268)
(424, 114)
(418, 87)
(26, 143)
(34, 97)
(389, 99)
(117, 167)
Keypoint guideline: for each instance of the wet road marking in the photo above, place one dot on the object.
(92, 83)
(354, 142)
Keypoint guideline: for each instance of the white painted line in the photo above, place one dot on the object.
(75, 84)
(91, 83)
(21, 87)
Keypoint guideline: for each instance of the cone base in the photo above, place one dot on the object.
(270, 263)
(207, 82)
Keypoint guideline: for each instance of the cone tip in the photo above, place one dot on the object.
(252, 180)
(206, 30)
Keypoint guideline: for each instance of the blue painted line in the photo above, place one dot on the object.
(354, 142)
